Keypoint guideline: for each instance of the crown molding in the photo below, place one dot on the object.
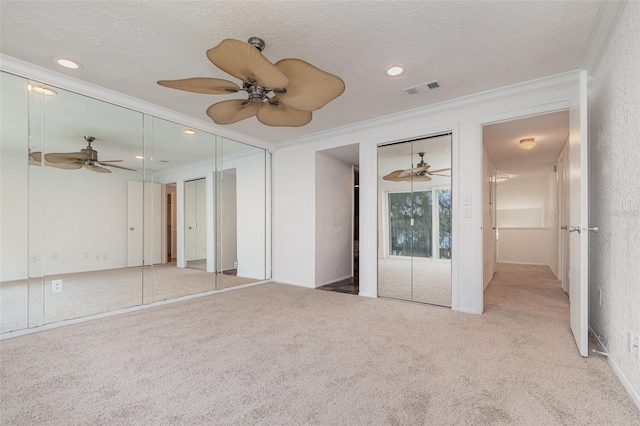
(43, 75)
(540, 85)
(606, 21)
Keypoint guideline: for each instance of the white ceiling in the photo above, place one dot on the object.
(502, 141)
(468, 46)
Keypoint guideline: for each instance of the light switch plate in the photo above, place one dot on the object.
(466, 211)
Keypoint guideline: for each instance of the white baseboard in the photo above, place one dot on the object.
(524, 263)
(306, 285)
(616, 369)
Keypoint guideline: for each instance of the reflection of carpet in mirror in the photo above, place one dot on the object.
(89, 293)
(431, 279)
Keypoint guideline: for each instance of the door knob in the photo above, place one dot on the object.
(574, 229)
(563, 227)
(131, 229)
(594, 229)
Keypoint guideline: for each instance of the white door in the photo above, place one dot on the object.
(144, 223)
(134, 224)
(579, 215)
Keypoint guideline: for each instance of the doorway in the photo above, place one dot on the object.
(337, 219)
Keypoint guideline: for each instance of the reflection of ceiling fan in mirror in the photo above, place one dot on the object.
(283, 94)
(87, 158)
(420, 173)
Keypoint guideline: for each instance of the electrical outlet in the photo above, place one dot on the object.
(466, 211)
(56, 286)
(467, 200)
(235, 264)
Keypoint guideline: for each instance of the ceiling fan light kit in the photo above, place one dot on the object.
(527, 143)
(281, 94)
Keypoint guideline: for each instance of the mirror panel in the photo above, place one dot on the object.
(180, 167)
(84, 230)
(14, 203)
(241, 213)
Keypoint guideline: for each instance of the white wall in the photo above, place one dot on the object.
(615, 197)
(521, 204)
(84, 220)
(334, 220)
(294, 187)
(527, 221)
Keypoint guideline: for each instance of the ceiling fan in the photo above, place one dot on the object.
(420, 173)
(87, 158)
(284, 94)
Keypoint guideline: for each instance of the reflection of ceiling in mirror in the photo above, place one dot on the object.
(120, 133)
(405, 155)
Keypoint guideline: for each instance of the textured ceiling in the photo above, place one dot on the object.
(468, 46)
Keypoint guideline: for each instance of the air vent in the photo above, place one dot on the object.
(422, 88)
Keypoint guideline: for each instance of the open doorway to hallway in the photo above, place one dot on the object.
(525, 204)
(337, 218)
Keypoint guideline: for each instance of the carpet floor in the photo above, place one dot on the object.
(275, 354)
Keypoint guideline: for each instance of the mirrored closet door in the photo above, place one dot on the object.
(414, 220)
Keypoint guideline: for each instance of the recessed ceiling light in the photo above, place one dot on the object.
(527, 143)
(68, 63)
(41, 90)
(189, 132)
(139, 157)
(394, 70)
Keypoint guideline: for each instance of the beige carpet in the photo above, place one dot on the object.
(281, 355)
(88, 293)
(417, 279)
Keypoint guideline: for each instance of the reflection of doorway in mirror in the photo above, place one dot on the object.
(195, 223)
(170, 224)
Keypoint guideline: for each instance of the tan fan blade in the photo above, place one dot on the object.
(395, 176)
(245, 62)
(63, 157)
(211, 86)
(65, 166)
(227, 112)
(409, 172)
(108, 164)
(275, 113)
(98, 169)
(309, 88)
(104, 163)
(417, 178)
(440, 170)
(35, 158)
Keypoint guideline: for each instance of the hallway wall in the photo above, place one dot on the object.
(615, 202)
